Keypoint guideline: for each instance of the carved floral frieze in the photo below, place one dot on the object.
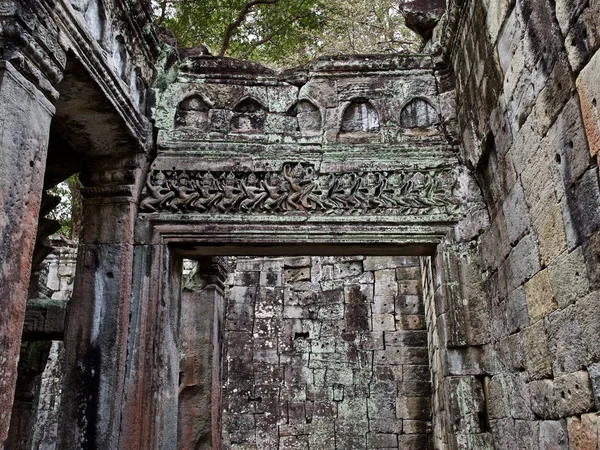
(300, 188)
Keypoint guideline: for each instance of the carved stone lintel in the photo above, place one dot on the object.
(298, 188)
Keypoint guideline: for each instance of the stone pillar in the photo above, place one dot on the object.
(149, 418)
(25, 114)
(200, 347)
(96, 332)
(463, 326)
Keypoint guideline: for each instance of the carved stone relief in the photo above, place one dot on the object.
(300, 188)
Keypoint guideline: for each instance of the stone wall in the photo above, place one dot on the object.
(527, 88)
(326, 353)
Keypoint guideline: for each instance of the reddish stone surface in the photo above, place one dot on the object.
(24, 132)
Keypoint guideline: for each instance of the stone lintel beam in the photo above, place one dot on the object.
(44, 320)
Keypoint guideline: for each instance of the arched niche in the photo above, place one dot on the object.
(418, 113)
(360, 117)
(192, 112)
(248, 117)
(308, 116)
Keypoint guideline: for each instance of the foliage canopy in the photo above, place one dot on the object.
(287, 32)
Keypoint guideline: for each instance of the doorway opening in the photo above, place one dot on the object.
(305, 352)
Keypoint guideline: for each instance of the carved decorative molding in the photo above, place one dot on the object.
(299, 188)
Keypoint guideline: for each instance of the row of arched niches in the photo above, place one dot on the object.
(359, 118)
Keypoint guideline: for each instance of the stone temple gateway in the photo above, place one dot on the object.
(393, 251)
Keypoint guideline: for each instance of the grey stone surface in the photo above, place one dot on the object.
(321, 364)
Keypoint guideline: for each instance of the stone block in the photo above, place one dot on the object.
(408, 273)
(383, 322)
(245, 278)
(381, 440)
(291, 275)
(588, 317)
(410, 322)
(495, 242)
(538, 182)
(527, 434)
(517, 316)
(463, 361)
(372, 263)
(509, 37)
(583, 432)
(417, 427)
(322, 435)
(385, 275)
(583, 38)
(383, 305)
(382, 400)
(464, 400)
(562, 397)
(331, 311)
(520, 402)
(553, 435)
(587, 86)
(242, 294)
(388, 290)
(555, 94)
(567, 145)
(270, 276)
(551, 235)
(503, 431)
(414, 441)
(406, 338)
(541, 394)
(568, 277)
(523, 262)
(410, 287)
(537, 358)
(496, 12)
(573, 394)
(564, 341)
(347, 269)
(516, 214)
(413, 408)
(594, 373)
(394, 426)
(297, 442)
(499, 396)
(540, 297)
(584, 201)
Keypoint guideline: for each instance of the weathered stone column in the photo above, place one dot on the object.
(25, 114)
(200, 347)
(463, 326)
(97, 325)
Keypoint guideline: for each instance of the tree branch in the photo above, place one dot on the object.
(271, 35)
(238, 21)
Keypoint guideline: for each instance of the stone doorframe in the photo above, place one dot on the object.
(150, 410)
